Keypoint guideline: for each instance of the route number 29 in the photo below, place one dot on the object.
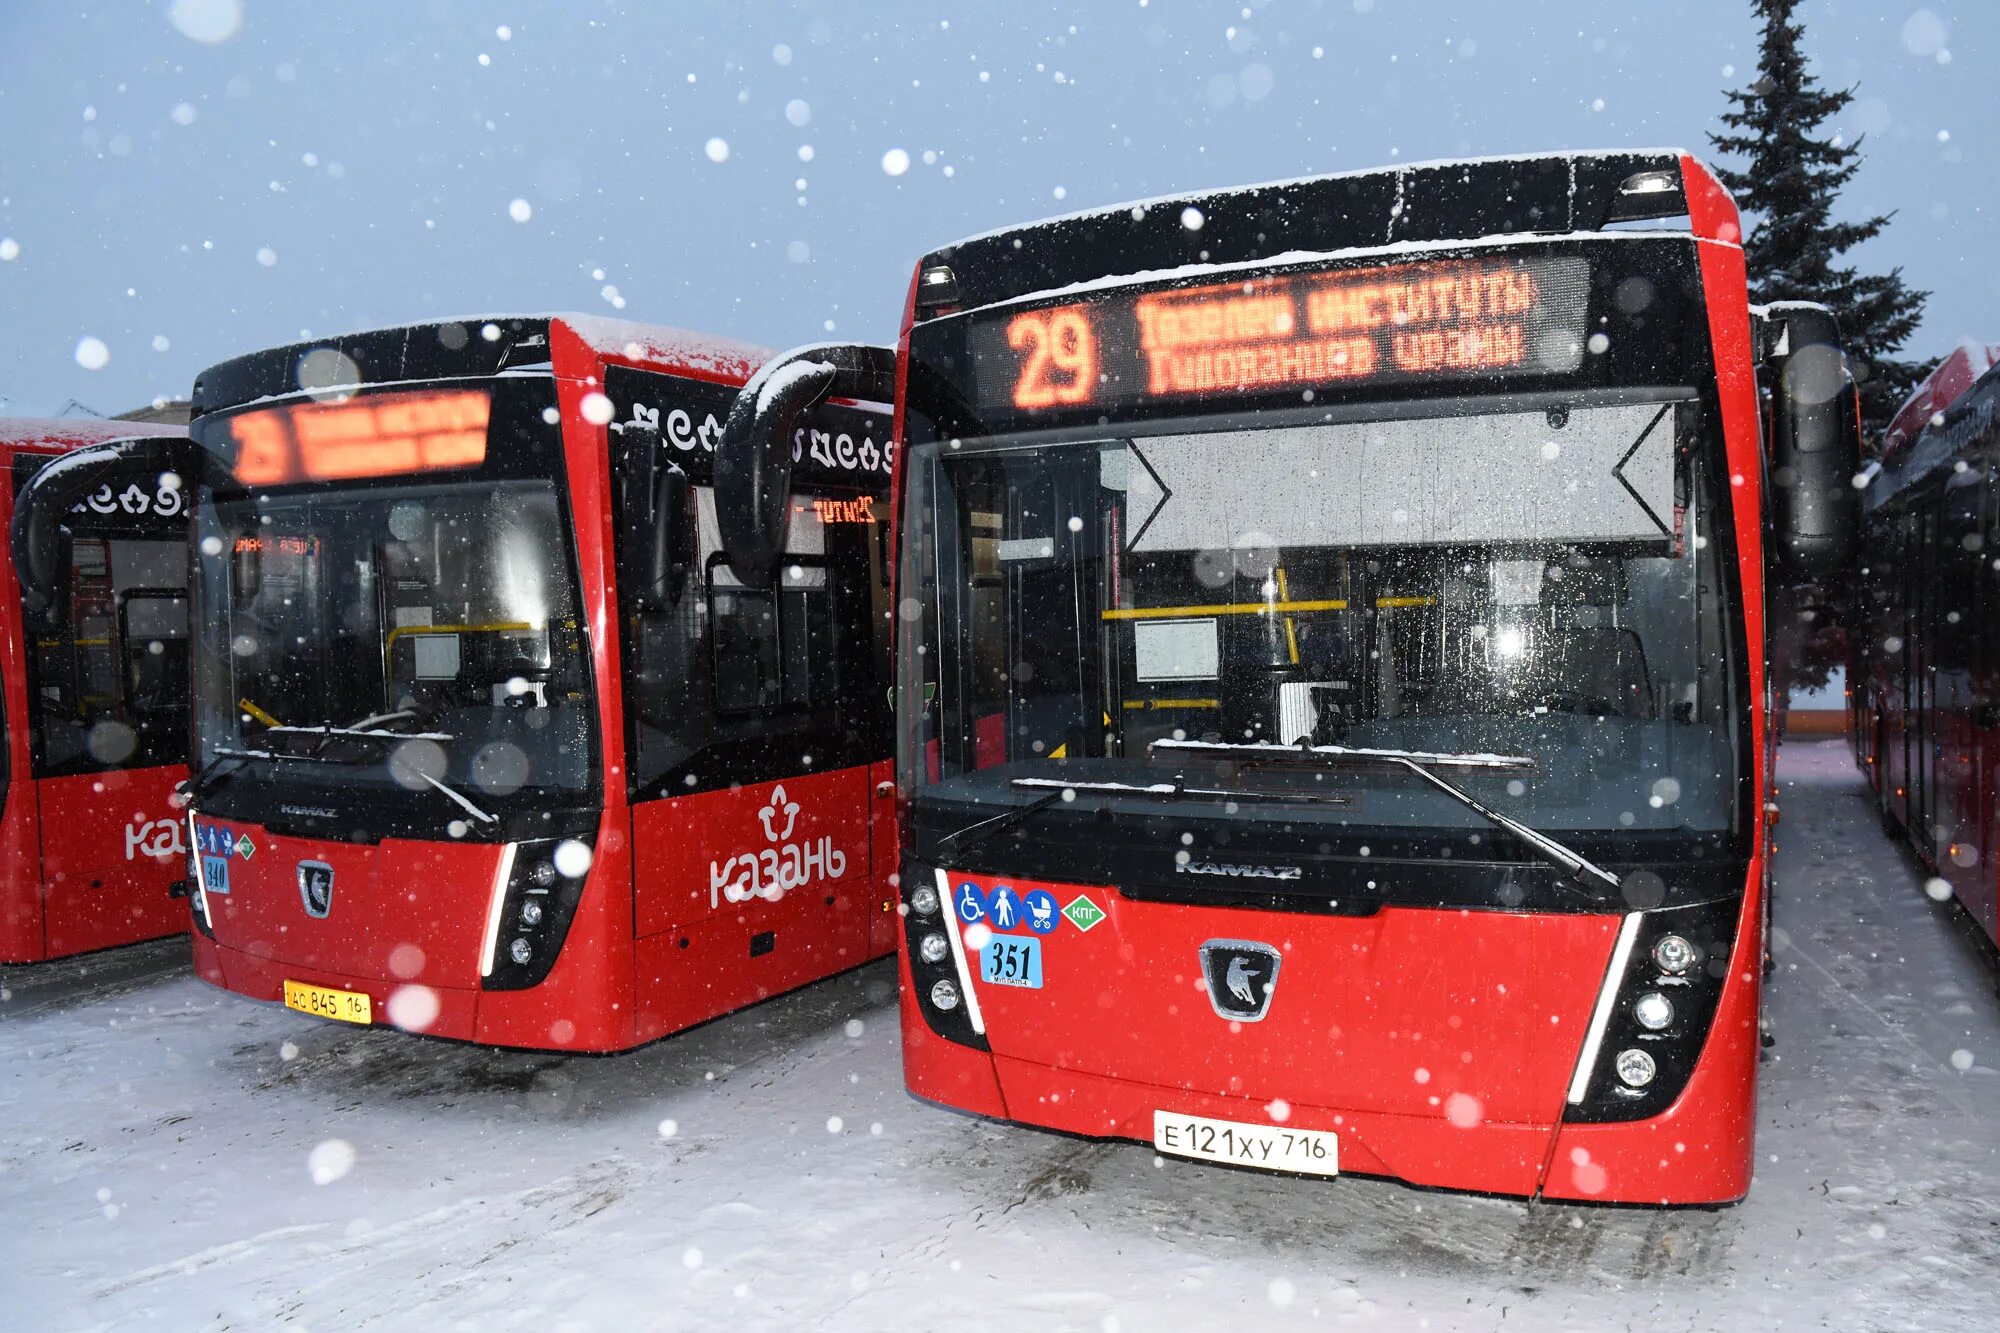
(1061, 364)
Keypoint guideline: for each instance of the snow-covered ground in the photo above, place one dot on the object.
(177, 1157)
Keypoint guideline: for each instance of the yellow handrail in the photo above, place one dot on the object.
(497, 627)
(1220, 609)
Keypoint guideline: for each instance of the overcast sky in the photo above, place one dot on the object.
(181, 182)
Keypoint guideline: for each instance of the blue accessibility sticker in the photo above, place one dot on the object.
(1044, 915)
(213, 840)
(969, 903)
(1003, 907)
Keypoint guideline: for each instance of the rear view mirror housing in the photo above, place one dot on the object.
(38, 538)
(753, 463)
(1815, 444)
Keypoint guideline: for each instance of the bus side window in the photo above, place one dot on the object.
(743, 644)
(109, 686)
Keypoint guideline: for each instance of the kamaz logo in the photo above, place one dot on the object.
(1232, 870)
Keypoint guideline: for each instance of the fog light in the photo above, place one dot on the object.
(1635, 1068)
(1673, 954)
(521, 951)
(944, 996)
(531, 913)
(543, 874)
(1653, 1010)
(933, 948)
(923, 900)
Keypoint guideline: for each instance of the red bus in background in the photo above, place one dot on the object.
(96, 711)
(1925, 674)
(491, 743)
(1332, 670)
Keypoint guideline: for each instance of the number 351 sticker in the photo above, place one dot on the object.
(1014, 960)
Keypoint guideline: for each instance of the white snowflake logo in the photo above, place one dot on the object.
(770, 812)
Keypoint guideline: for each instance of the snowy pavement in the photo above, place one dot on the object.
(180, 1158)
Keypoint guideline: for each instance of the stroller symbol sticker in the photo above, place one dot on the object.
(1042, 912)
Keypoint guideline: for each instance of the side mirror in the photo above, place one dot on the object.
(1815, 442)
(37, 539)
(753, 462)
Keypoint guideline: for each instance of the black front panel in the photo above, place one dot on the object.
(1608, 313)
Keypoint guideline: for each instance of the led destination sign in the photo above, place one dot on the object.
(1375, 325)
(382, 435)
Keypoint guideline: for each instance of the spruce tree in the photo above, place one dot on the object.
(1792, 174)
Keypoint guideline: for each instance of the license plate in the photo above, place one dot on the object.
(1012, 960)
(345, 1006)
(1313, 1152)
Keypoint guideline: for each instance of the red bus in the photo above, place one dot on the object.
(1332, 672)
(96, 708)
(1925, 671)
(490, 742)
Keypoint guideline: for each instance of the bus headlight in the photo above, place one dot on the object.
(924, 900)
(1673, 954)
(933, 948)
(945, 995)
(1635, 1068)
(537, 891)
(1653, 1010)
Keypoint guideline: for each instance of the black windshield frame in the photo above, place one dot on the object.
(304, 796)
(1116, 839)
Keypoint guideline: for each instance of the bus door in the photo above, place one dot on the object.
(109, 696)
(1977, 883)
(1925, 620)
(1954, 790)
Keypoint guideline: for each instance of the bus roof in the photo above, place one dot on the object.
(65, 433)
(1966, 424)
(1948, 381)
(468, 347)
(1419, 203)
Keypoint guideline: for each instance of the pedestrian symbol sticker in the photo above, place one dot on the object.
(971, 907)
(1004, 907)
(1041, 909)
(1083, 913)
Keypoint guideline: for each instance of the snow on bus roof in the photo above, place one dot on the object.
(1185, 197)
(74, 432)
(1289, 258)
(658, 342)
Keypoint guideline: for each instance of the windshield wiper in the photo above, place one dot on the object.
(986, 829)
(196, 786)
(1418, 762)
(464, 804)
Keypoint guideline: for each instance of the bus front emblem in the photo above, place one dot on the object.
(316, 887)
(1240, 975)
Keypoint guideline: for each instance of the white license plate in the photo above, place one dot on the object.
(1313, 1152)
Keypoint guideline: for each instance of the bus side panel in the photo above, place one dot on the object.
(20, 831)
(746, 892)
(1699, 1150)
(111, 845)
(20, 877)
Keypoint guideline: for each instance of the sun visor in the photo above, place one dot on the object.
(1585, 475)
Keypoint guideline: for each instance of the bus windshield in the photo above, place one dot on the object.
(1146, 620)
(409, 638)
